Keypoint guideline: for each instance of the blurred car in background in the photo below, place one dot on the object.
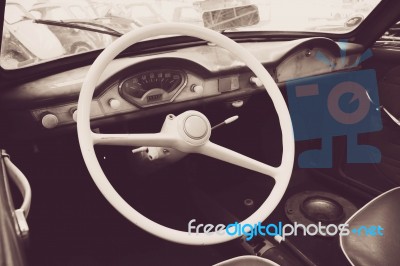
(143, 12)
(18, 31)
(188, 14)
(138, 13)
(113, 15)
(74, 40)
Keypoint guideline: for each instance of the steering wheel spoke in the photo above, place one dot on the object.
(154, 140)
(221, 153)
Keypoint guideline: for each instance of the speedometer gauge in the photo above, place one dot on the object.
(152, 87)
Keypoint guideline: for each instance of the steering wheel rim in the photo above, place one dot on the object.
(87, 139)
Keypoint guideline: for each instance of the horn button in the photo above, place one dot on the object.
(195, 127)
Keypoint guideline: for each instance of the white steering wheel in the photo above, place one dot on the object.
(188, 132)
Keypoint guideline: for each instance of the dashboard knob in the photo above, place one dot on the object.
(114, 104)
(237, 104)
(256, 82)
(74, 113)
(197, 89)
(49, 121)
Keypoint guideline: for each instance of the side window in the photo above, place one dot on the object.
(391, 38)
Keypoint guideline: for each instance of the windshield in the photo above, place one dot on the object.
(29, 39)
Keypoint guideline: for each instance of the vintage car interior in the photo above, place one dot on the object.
(245, 113)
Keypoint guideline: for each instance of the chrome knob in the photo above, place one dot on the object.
(49, 121)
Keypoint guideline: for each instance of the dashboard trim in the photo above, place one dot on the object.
(208, 66)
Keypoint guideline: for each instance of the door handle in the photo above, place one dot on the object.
(24, 187)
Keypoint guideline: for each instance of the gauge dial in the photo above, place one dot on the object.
(152, 86)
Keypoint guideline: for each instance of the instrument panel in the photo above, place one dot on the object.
(153, 87)
(144, 89)
(132, 86)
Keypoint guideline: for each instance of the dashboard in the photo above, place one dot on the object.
(138, 86)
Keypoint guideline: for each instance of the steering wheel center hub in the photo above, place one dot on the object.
(195, 127)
